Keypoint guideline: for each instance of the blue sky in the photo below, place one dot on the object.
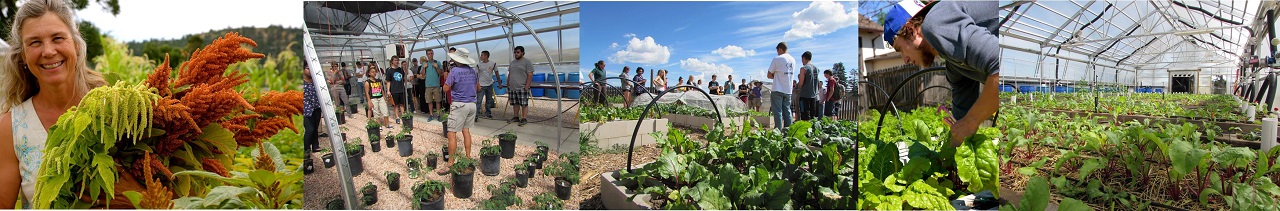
(705, 38)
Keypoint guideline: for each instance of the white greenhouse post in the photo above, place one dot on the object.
(1268, 134)
(331, 120)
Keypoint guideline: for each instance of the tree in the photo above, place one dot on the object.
(9, 9)
(92, 40)
(157, 52)
(194, 41)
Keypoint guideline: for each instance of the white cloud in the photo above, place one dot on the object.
(705, 68)
(733, 51)
(629, 35)
(613, 46)
(822, 17)
(646, 51)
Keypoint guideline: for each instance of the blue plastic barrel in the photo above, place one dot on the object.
(1060, 89)
(1006, 88)
(1159, 90)
(563, 78)
(572, 93)
(539, 77)
(1026, 88)
(1042, 89)
(574, 78)
(550, 93)
(497, 85)
(536, 92)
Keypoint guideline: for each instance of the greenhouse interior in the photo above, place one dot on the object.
(1139, 105)
(348, 39)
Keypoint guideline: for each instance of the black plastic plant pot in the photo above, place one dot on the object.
(372, 197)
(375, 146)
(462, 185)
(408, 122)
(351, 108)
(336, 204)
(508, 147)
(374, 131)
(563, 188)
(490, 165)
(539, 159)
(391, 141)
(344, 136)
(533, 172)
(543, 150)
(342, 119)
(406, 146)
(438, 204)
(356, 162)
(307, 166)
(394, 184)
(522, 178)
(327, 158)
(444, 153)
(431, 162)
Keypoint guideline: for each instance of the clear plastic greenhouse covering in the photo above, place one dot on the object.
(1131, 43)
(695, 98)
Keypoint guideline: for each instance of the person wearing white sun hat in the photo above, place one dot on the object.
(461, 84)
(965, 35)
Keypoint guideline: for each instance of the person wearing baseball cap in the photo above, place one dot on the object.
(964, 34)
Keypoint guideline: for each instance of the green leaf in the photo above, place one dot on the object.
(1037, 195)
(1070, 204)
(221, 138)
(134, 198)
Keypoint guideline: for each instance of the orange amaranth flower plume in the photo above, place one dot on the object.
(212, 61)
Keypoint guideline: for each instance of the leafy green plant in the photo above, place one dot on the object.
(354, 146)
(562, 168)
(462, 165)
(501, 196)
(428, 191)
(372, 124)
(490, 149)
(547, 201)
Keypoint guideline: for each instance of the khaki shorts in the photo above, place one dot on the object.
(754, 102)
(461, 116)
(379, 107)
(432, 95)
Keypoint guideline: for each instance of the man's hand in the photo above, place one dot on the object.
(960, 132)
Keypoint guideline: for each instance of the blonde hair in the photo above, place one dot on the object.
(17, 80)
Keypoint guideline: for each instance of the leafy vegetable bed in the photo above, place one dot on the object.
(1195, 106)
(1131, 165)
(812, 167)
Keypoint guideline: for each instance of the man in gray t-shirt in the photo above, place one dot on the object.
(965, 35)
(519, 81)
(485, 71)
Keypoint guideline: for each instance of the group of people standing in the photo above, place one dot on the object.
(807, 89)
(815, 98)
(461, 86)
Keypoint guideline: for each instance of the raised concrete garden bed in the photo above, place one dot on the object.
(616, 196)
(619, 132)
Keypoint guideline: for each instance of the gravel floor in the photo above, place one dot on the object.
(321, 186)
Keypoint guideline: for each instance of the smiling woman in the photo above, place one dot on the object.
(45, 75)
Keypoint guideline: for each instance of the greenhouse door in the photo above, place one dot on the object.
(1182, 84)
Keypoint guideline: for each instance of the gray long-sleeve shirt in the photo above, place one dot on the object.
(965, 35)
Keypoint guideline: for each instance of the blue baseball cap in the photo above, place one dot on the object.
(898, 16)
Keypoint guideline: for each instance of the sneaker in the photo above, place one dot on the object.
(524, 122)
(397, 120)
(513, 119)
